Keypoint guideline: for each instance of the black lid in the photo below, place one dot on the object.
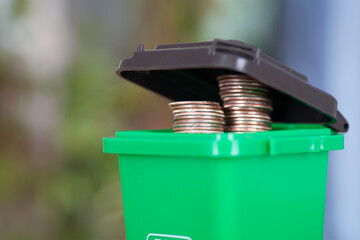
(188, 72)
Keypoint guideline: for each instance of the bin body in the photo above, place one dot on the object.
(267, 185)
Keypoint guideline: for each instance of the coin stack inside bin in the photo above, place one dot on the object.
(246, 104)
(197, 117)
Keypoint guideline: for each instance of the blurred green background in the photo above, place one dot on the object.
(59, 96)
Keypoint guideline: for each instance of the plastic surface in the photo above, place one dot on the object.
(266, 185)
(188, 72)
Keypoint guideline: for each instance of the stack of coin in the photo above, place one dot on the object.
(247, 106)
(197, 117)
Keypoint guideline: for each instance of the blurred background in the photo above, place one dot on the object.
(59, 96)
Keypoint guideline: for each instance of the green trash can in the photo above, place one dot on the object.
(255, 186)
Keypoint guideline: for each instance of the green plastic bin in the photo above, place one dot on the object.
(256, 186)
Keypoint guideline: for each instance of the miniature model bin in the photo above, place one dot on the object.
(254, 186)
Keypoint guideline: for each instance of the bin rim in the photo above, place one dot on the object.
(283, 139)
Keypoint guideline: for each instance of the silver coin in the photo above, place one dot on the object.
(194, 103)
(198, 131)
(200, 114)
(228, 87)
(248, 99)
(247, 110)
(240, 89)
(247, 116)
(236, 121)
(245, 128)
(227, 76)
(198, 128)
(240, 82)
(196, 107)
(221, 129)
(194, 110)
(219, 125)
(245, 106)
(247, 93)
(249, 124)
(245, 102)
(252, 125)
(199, 121)
(205, 117)
(248, 131)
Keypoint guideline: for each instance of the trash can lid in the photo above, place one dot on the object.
(188, 71)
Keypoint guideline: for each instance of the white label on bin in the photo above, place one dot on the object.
(155, 236)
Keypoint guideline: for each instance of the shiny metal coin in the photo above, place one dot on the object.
(193, 103)
(196, 107)
(244, 94)
(247, 116)
(198, 128)
(248, 99)
(242, 89)
(248, 110)
(219, 125)
(248, 102)
(227, 76)
(197, 131)
(240, 84)
(245, 129)
(249, 130)
(240, 118)
(197, 120)
(239, 103)
(199, 114)
(194, 110)
(237, 121)
(265, 127)
(246, 105)
(255, 125)
(193, 117)
(241, 81)
(244, 122)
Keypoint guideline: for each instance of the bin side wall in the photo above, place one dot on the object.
(280, 197)
(272, 197)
